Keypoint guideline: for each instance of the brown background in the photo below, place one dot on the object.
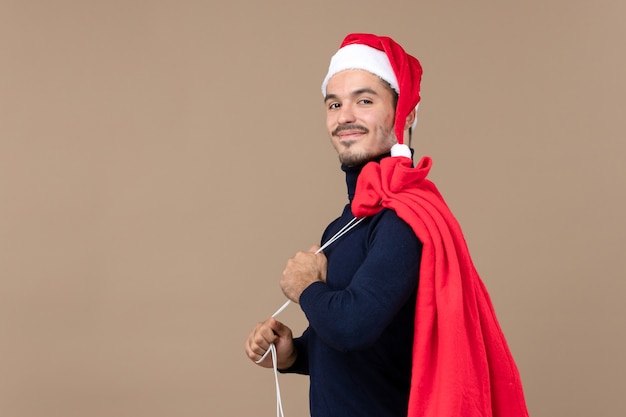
(159, 161)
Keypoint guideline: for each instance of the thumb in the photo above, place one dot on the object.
(279, 328)
(314, 248)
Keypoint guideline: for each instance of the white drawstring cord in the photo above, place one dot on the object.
(279, 404)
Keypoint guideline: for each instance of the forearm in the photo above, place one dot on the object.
(351, 320)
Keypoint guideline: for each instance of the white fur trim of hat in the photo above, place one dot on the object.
(363, 57)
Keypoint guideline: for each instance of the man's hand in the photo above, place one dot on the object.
(301, 271)
(266, 333)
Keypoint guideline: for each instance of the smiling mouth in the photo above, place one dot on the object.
(350, 135)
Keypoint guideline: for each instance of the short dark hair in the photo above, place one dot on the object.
(395, 104)
(393, 92)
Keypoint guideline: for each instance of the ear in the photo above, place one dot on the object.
(410, 119)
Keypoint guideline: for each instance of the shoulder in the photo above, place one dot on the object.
(388, 226)
(388, 218)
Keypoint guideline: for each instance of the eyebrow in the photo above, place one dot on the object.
(358, 92)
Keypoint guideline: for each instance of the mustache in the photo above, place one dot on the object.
(351, 126)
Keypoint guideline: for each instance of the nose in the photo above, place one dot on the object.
(346, 114)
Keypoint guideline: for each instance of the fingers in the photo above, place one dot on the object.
(259, 339)
(262, 336)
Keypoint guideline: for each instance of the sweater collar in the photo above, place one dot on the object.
(353, 172)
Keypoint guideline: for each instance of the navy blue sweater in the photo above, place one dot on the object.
(357, 349)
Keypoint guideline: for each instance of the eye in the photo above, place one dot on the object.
(334, 105)
(365, 101)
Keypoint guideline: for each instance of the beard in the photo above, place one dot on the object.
(354, 157)
(352, 154)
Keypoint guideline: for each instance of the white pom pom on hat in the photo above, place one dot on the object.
(382, 56)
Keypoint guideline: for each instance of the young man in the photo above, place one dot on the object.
(376, 345)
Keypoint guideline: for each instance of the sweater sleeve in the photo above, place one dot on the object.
(301, 365)
(354, 317)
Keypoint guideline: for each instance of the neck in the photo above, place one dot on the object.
(353, 172)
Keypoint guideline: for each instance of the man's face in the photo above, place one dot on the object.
(360, 114)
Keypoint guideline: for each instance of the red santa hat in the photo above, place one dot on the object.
(384, 57)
